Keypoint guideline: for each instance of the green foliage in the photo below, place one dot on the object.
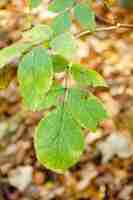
(86, 109)
(34, 3)
(38, 33)
(61, 23)
(46, 51)
(82, 11)
(127, 3)
(65, 45)
(85, 16)
(58, 141)
(35, 75)
(14, 51)
(87, 77)
(60, 5)
(59, 63)
(53, 97)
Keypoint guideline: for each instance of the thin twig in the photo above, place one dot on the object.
(109, 28)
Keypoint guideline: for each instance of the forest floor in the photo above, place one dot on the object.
(105, 171)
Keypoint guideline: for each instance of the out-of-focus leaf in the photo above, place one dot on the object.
(110, 2)
(126, 3)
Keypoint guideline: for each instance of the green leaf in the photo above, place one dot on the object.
(35, 75)
(85, 16)
(39, 33)
(61, 23)
(59, 63)
(87, 110)
(65, 45)
(34, 3)
(58, 141)
(54, 96)
(34, 36)
(14, 51)
(60, 5)
(87, 77)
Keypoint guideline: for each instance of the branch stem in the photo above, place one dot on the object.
(109, 28)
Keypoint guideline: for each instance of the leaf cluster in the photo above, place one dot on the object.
(45, 51)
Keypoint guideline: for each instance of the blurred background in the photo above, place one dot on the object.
(105, 171)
